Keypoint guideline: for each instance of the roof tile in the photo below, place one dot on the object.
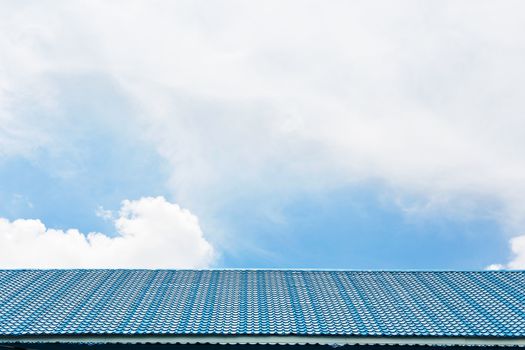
(250, 302)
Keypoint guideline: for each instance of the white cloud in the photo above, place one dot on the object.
(517, 262)
(518, 250)
(425, 97)
(104, 213)
(152, 233)
(285, 96)
(495, 267)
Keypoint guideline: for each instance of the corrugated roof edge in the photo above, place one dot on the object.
(256, 339)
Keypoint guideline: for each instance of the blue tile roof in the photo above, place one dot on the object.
(251, 302)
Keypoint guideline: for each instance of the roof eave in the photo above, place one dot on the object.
(264, 339)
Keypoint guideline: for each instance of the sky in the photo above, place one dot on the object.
(263, 134)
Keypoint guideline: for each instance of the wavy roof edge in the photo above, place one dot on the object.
(262, 340)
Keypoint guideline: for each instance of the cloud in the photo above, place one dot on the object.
(151, 233)
(518, 250)
(495, 267)
(104, 213)
(423, 97)
(517, 262)
(280, 97)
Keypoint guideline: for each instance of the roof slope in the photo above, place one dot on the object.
(262, 302)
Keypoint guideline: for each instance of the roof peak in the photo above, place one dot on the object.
(267, 269)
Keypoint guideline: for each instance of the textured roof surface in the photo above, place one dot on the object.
(470, 304)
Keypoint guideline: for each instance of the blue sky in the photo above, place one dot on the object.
(350, 227)
(387, 136)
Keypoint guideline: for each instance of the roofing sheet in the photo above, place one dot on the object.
(262, 302)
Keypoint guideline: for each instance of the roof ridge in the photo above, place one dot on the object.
(266, 269)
